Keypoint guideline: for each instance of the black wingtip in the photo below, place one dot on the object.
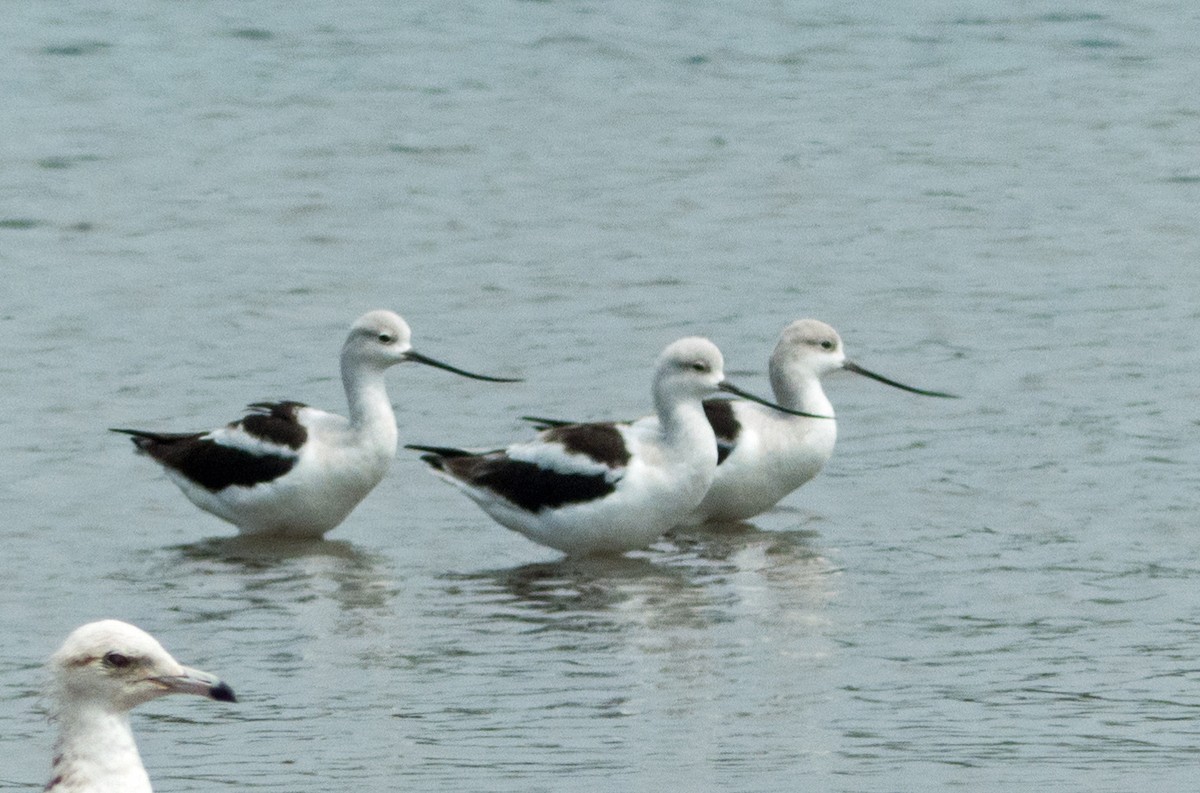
(543, 423)
(440, 451)
(140, 438)
(436, 456)
(222, 693)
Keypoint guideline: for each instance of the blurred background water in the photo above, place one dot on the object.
(998, 199)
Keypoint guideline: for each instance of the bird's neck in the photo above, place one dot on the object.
(683, 425)
(371, 414)
(803, 393)
(96, 752)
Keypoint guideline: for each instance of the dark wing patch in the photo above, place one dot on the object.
(725, 426)
(601, 442)
(527, 485)
(211, 465)
(275, 422)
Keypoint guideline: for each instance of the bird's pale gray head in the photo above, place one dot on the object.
(691, 365)
(382, 337)
(116, 666)
(811, 344)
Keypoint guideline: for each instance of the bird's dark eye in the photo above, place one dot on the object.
(116, 660)
(699, 366)
(386, 338)
(827, 344)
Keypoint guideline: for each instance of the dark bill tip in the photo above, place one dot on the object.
(853, 367)
(732, 389)
(419, 358)
(221, 692)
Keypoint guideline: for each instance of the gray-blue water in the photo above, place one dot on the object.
(998, 199)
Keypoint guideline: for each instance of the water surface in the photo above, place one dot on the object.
(1001, 592)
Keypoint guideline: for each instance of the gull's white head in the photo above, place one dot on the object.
(113, 666)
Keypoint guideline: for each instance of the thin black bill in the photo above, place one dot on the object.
(732, 389)
(419, 358)
(853, 367)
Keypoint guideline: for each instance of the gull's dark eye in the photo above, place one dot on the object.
(827, 344)
(116, 660)
(699, 366)
(386, 338)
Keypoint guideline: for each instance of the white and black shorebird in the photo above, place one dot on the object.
(764, 454)
(286, 469)
(102, 671)
(589, 489)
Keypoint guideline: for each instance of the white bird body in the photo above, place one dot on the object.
(589, 489)
(102, 671)
(764, 454)
(334, 470)
(774, 454)
(293, 470)
(667, 474)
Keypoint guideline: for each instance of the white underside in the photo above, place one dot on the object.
(658, 487)
(333, 474)
(774, 455)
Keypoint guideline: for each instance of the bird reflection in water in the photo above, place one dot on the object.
(694, 577)
(296, 567)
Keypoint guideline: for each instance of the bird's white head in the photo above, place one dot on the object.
(114, 666)
(378, 339)
(806, 348)
(690, 368)
(809, 349)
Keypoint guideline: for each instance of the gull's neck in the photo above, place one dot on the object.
(371, 417)
(95, 753)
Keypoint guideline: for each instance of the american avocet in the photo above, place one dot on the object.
(764, 454)
(604, 488)
(102, 671)
(288, 469)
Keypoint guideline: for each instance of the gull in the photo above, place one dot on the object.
(102, 671)
(591, 489)
(286, 469)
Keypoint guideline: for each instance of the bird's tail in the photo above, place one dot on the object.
(143, 439)
(437, 455)
(541, 423)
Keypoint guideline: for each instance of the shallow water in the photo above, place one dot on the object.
(1001, 592)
